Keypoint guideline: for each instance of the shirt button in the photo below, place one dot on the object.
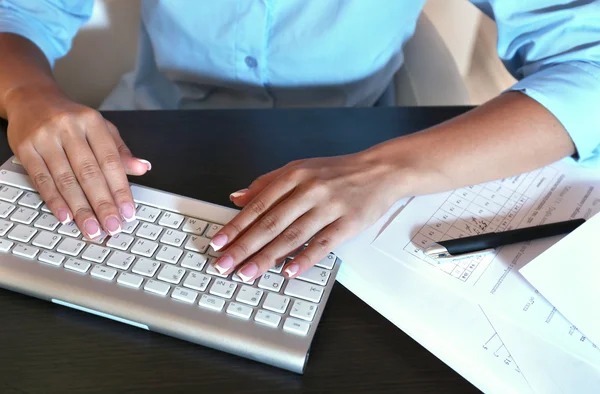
(250, 61)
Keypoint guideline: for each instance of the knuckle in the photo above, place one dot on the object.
(270, 223)
(241, 249)
(66, 180)
(111, 162)
(103, 207)
(122, 194)
(257, 206)
(237, 229)
(292, 236)
(88, 170)
(41, 180)
(83, 212)
(323, 243)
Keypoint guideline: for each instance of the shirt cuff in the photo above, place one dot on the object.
(11, 22)
(571, 92)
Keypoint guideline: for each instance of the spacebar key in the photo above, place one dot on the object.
(306, 291)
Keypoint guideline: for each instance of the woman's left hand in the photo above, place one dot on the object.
(331, 199)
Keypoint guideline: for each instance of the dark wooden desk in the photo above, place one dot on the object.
(46, 348)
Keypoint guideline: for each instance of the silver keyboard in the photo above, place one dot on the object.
(157, 274)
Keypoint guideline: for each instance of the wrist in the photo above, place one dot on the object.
(26, 96)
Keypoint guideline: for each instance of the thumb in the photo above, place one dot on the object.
(132, 165)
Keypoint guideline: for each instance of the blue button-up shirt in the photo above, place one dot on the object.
(268, 53)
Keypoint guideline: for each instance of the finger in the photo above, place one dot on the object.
(106, 153)
(259, 205)
(44, 184)
(244, 196)
(267, 228)
(94, 185)
(327, 240)
(292, 238)
(132, 165)
(66, 182)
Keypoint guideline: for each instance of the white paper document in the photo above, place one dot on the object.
(568, 275)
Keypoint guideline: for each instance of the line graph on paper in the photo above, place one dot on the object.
(491, 207)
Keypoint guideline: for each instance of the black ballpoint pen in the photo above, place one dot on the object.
(465, 247)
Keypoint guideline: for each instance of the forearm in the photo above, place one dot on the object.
(23, 68)
(509, 135)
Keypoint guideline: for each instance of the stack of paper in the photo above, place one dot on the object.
(481, 316)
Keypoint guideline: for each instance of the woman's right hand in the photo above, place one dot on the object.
(76, 160)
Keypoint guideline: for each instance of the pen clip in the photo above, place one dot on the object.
(441, 254)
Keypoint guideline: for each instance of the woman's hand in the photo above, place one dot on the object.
(76, 160)
(330, 199)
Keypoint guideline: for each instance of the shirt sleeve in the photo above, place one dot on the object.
(552, 47)
(50, 24)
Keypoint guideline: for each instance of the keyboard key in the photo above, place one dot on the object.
(102, 272)
(147, 214)
(185, 295)
(144, 247)
(51, 258)
(211, 302)
(276, 303)
(249, 295)
(306, 291)
(197, 281)
(169, 254)
(328, 262)
(5, 245)
(304, 310)
(97, 240)
(77, 265)
(95, 253)
(130, 227)
(223, 288)
(70, 229)
(149, 231)
(47, 222)
(130, 280)
(156, 287)
(5, 225)
(146, 267)
(9, 194)
(45, 208)
(197, 243)
(271, 282)
(237, 278)
(6, 209)
(213, 230)
(171, 274)
(120, 241)
(173, 237)
(193, 261)
(211, 270)
(267, 318)
(24, 215)
(277, 268)
(239, 310)
(25, 251)
(120, 260)
(315, 275)
(31, 200)
(46, 240)
(170, 219)
(194, 226)
(22, 233)
(296, 326)
(70, 246)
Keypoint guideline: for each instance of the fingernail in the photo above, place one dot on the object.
(63, 216)
(112, 225)
(224, 264)
(92, 228)
(146, 163)
(292, 270)
(218, 241)
(128, 212)
(248, 272)
(239, 193)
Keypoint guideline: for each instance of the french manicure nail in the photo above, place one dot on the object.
(92, 228)
(239, 193)
(127, 212)
(224, 264)
(292, 270)
(248, 272)
(112, 225)
(63, 216)
(147, 163)
(218, 242)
